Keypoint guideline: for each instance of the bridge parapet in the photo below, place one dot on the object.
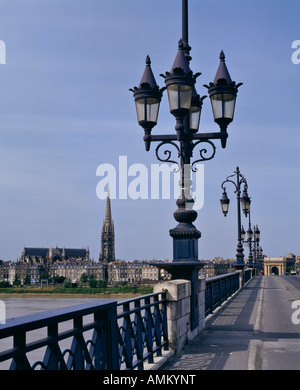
(179, 311)
(106, 335)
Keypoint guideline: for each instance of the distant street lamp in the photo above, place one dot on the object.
(251, 239)
(256, 248)
(255, 251)
(243, 201)
(185, 105)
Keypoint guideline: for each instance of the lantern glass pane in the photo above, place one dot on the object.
(180, 96)
(147, 109)
(224, 205)
(229, 103)
(173, 96)
(217, 105)
(152, 109)
(140, 109)
(250, 234)
(186, 92)
(243, 235)
(245, 205)
(194, 117)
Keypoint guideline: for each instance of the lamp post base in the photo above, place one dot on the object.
(189, 271)
(238, 267)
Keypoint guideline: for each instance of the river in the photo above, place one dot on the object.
(20, 306)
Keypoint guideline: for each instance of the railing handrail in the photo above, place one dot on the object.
(213, 278)
(220, 288)
(38, 320)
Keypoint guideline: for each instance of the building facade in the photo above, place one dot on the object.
(279, 265)
(47, 256)
(274, 265)
(74, 269)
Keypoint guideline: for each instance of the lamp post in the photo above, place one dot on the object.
(260, 259)
(185, 105)
(243, 201)
(249, 240)
(256, 248)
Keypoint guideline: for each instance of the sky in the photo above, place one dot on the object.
(66, 109)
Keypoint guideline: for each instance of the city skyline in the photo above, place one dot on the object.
(66, 109)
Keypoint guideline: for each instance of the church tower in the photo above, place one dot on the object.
(107, 254)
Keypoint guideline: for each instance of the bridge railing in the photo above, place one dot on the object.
(142, 330)
(101, 335)
(106, 335)
(249, 273)
(219, 289)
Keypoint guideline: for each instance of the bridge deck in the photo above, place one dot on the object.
(254, 330)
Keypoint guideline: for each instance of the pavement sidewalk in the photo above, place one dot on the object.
(228, 341)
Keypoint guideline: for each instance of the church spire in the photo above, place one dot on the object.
(107, 254)
(108, 209)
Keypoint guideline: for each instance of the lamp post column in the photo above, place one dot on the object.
(239, 249)
(185, 105)
(250, 236)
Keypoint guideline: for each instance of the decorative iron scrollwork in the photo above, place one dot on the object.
(236, 185)
(167, 153)
(202, 152)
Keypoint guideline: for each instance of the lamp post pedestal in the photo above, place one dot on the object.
(187, 270)
(240, 254)
(239, 267)
(185, 235)
(185, 264)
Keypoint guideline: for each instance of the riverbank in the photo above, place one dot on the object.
(66, 295)
(111, 292)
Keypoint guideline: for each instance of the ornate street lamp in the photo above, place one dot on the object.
(243, 234)
(195, 111)
(222, 92)
(147, 100)
(180, 83)
(185, 105)
(253, 236)
(257, 233)
(225, 203)
(256, 247)
(248, 241)
(253, 243)
(249, 233)
(243, 200)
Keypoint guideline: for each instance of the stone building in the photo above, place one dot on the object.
(73, 270)
(48, 262)
(12, 271)
(48, 256)
(279, 265)
(133, 272)
(274, 265)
